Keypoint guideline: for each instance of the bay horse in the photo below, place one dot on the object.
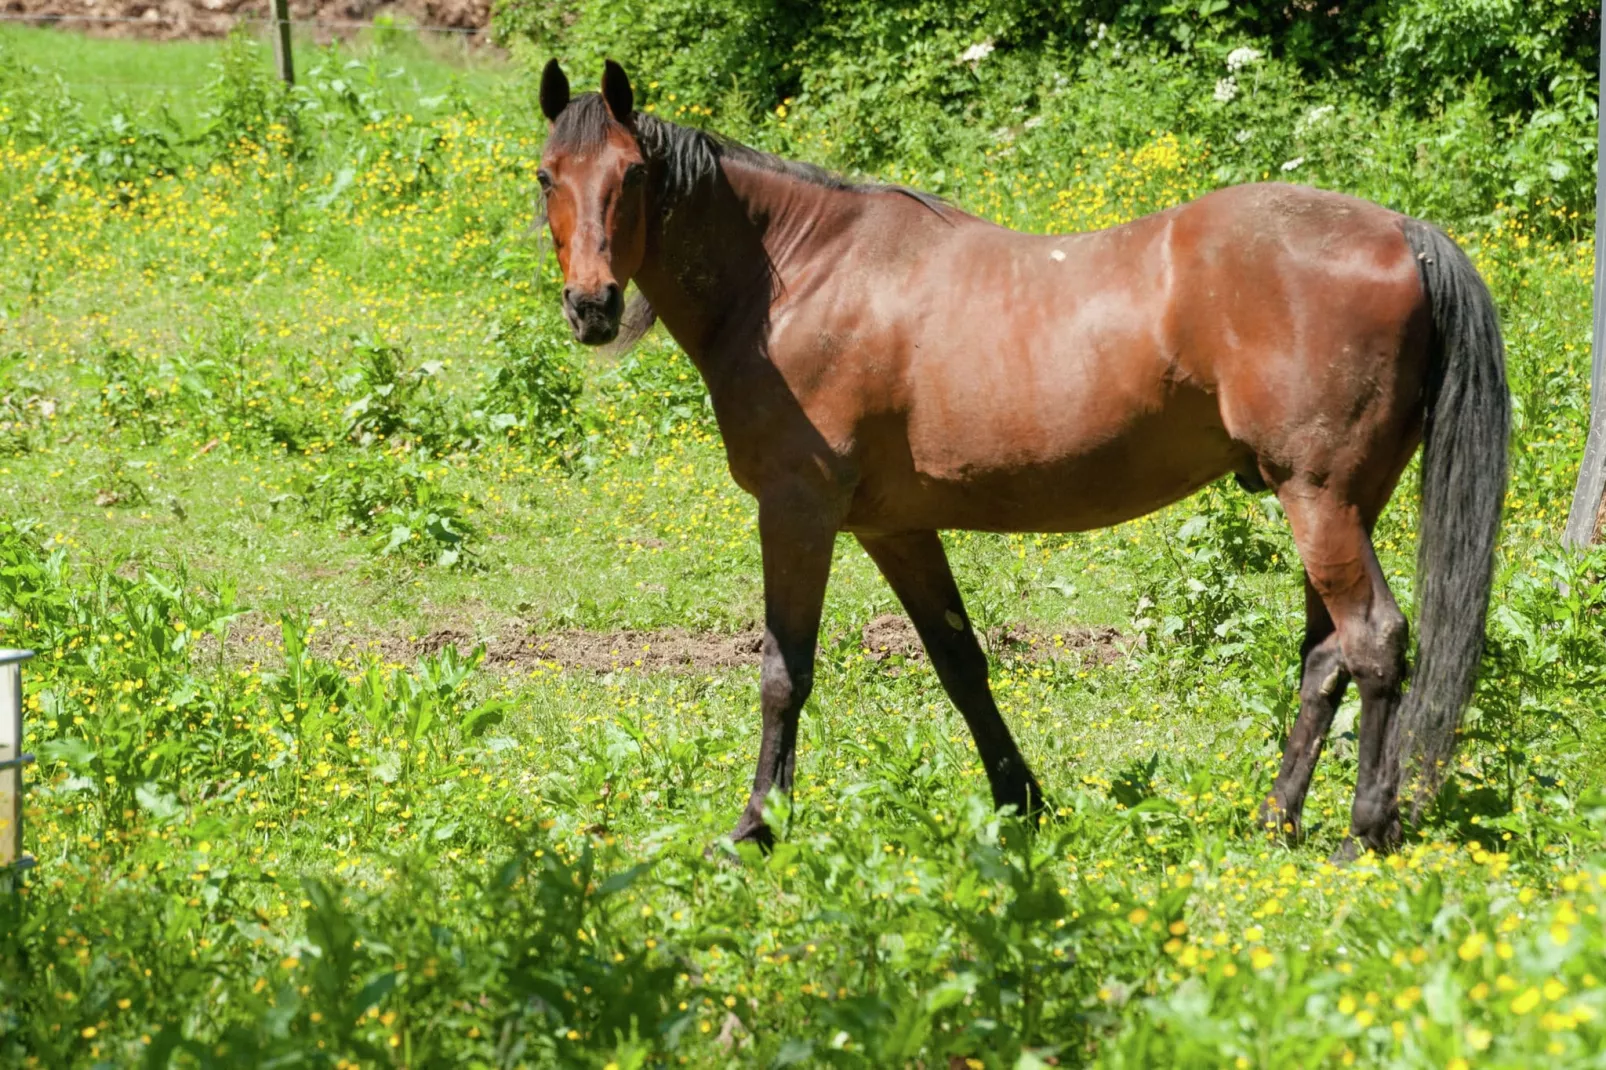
(884, 364)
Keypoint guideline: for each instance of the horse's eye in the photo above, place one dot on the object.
(542, 176)
(635, 173)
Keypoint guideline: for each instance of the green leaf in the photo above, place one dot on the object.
(162, 806)
(77, 754)
(376, 990)
(620, 881)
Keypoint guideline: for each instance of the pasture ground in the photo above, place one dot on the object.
(397, 660)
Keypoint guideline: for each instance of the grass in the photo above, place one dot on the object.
(109, 75)
(280, 404)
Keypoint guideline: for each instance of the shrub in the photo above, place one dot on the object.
(653, 390)
(395, 399)
(866, 85)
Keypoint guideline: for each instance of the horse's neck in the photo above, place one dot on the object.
(712, 273)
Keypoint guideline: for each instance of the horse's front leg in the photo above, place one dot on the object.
(797, 530)
(916, 567)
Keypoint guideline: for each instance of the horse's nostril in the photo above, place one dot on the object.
(605, 301)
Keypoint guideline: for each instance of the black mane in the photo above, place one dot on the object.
(690, 158)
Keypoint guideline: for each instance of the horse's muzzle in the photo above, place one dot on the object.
(594, 315)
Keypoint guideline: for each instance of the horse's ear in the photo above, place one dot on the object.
(554, 91)
(617, 92)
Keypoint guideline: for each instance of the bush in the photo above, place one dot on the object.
(653, 391)
(244, 99)
(1433, 89)
(395, 400)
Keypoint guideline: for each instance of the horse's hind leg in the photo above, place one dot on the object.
(1323, 681)
(917, 569)
(1334, 540)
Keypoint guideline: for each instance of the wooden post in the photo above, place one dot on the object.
(1584, 522)
(12, 764)
(281, 41)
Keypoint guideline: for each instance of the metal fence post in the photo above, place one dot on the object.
(281, 41)
(13, 761)
(1589, 496)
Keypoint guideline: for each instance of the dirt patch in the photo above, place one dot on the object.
(1094, 646)
(661, 650)
(893, 636)
(888, 639)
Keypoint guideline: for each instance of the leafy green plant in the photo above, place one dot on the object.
(427, 706)
(310, 693)
(1545, 648)
(132, 397)
(533, 394)
(26, 411)
(1203, 603)
(394, 399)
(654, 389)
(125, 692)
(437, 534)
(399, 502)
(243, 98)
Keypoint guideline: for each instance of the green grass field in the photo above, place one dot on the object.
(110, 76)
(395, 665)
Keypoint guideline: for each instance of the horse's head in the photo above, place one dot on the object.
(594, 178)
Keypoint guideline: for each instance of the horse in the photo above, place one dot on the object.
(884, 364)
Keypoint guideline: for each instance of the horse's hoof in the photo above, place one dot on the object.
(1347, 852)
(756, 833)
(1376, 827)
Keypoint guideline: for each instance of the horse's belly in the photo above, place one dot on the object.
(1065, 486)
(1054, 498)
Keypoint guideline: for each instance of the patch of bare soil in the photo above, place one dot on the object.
(173, 19)
(662, 650)
(889, 639)
(892, 635)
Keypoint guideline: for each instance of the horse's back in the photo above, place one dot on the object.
(1027, 382)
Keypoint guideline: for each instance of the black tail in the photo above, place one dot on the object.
(1463, 486)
